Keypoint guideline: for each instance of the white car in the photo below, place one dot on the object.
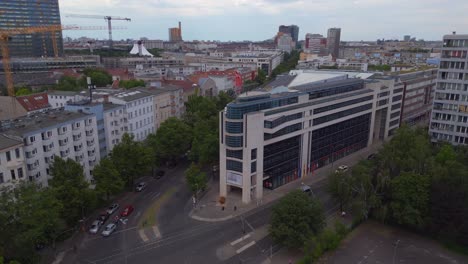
(342, 169)
(95, 227)
(109, 229)
(112, 208)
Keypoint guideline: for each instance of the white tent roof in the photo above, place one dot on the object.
(144, 51)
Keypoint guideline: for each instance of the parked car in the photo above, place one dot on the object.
(140, 187)
(110, 228)
(127, 211)
(95, 226)
(103, 218)
(371, 156)
(342, 168)
(112, 208)
(159, 174)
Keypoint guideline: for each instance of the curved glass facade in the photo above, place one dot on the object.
(234, 142)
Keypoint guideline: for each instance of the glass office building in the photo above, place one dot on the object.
(31, 13)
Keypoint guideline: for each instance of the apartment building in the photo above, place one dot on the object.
(304, 122)
(12, 165)
(140, 112)
(55, 133)
(449, 121)
(58, 99)
(115, 124)
(265, 61)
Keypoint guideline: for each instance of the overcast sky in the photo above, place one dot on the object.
(259, 19)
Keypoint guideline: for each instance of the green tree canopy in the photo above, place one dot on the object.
(99, 77)
(295, 219)
(131, 159)
(107, 177)
(128, 84)
(68, 83)
(23, 91)
(71, 189)
(338, 186)
(196, 179)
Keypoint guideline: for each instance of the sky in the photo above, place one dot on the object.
(255, 20)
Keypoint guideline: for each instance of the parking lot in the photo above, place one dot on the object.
(373, 242)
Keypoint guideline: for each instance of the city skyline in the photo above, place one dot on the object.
(259, 20)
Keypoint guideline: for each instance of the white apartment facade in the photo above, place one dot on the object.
(12, 165)
(140, 112)
(58, 99)
(115, 124)
(68, 135)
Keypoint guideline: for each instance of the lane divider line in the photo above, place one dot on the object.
(240, 240)
(245, 247)
(142, 235)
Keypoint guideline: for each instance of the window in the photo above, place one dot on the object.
(13, 175)
(234, 153)
(32, 139)
(20, 173)
(17, 153)
(234, 165)
(8, 156)
(2, 180)
(253, 154)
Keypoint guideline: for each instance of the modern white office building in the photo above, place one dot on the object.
(12, 165)
(68, 135)
(305, 120)
(449, 121)
(140, 112)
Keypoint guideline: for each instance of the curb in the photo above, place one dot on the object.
(211, 219)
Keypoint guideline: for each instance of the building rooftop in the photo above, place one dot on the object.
(39, 121)
(131, 95)
(66, 93)
(110, 106)
(34, 102)
(8, 142)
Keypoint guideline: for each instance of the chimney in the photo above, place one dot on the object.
(140, 48)
(180, 30)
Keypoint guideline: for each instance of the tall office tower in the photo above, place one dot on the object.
(292, 30)
(175, 34)
(449, 121)
(333, 41)
(31, 13)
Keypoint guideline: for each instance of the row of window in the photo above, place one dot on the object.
(234, 154)
(141, 111)
(281, 120)
(343, 104)
(234, 127)
(236, 111)
(455, 43)
(8, 154)
(234, 165)
(283, 131)
(328, 118)
(452, 86)
(19, 172)
(234, 141)
(458, 65)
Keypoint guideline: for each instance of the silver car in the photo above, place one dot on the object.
(112, 208)
(95, 227)
(141, 186)
(109, 229)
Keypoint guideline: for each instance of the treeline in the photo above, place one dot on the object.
(413, 183)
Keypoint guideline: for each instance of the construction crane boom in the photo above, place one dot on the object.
(107, 18)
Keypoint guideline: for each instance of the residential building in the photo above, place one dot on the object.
(265, 61)
(12, 165)
(55, 133)
(29, 65)
(450, 109)
(27, 13)
(304, 121)
(115, 125)
(175, 34)
(140, 63)
(140, 112)
(333, 41)
(292, 30)
(315, 44)
(58, 99)
(14, 107)
(168, 102)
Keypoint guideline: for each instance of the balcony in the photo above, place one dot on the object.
(91, 153)
(90, 143)
(64, 154)
(33, 166)
(89, 133)
(77, 137)
(63, 143)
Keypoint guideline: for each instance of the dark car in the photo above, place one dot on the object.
(371, 156)
(103, 218)
(160, 173)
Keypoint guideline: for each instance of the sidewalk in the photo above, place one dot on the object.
(210, 210)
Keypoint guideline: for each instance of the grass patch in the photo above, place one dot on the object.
(149, 217)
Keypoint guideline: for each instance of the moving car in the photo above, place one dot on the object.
(371, 156)
(95, 227)
(141, 186)
(103, 217)
(112, 208)
(127, 211)
(342, 168)
(109, 229)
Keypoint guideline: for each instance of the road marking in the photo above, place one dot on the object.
(249, 225)
(240, 239)
(142, 234)
(155, 196)
(156, 232)
(245, 247)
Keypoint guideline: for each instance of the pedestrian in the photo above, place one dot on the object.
(235, 208)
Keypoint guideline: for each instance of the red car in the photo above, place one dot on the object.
(127, 211)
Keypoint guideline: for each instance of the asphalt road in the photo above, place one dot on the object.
(185, 240)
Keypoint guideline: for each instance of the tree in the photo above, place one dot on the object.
(99, 77)
(71, 189)
(205, 145)
(68, 83)
(339, 187)
(107, 177)
(23, 91)
(196, 179)
(131, 159)
(261, 76)
(29, 217)
(128, 84)
(295, 219)
(172, 139)
(410, 199)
